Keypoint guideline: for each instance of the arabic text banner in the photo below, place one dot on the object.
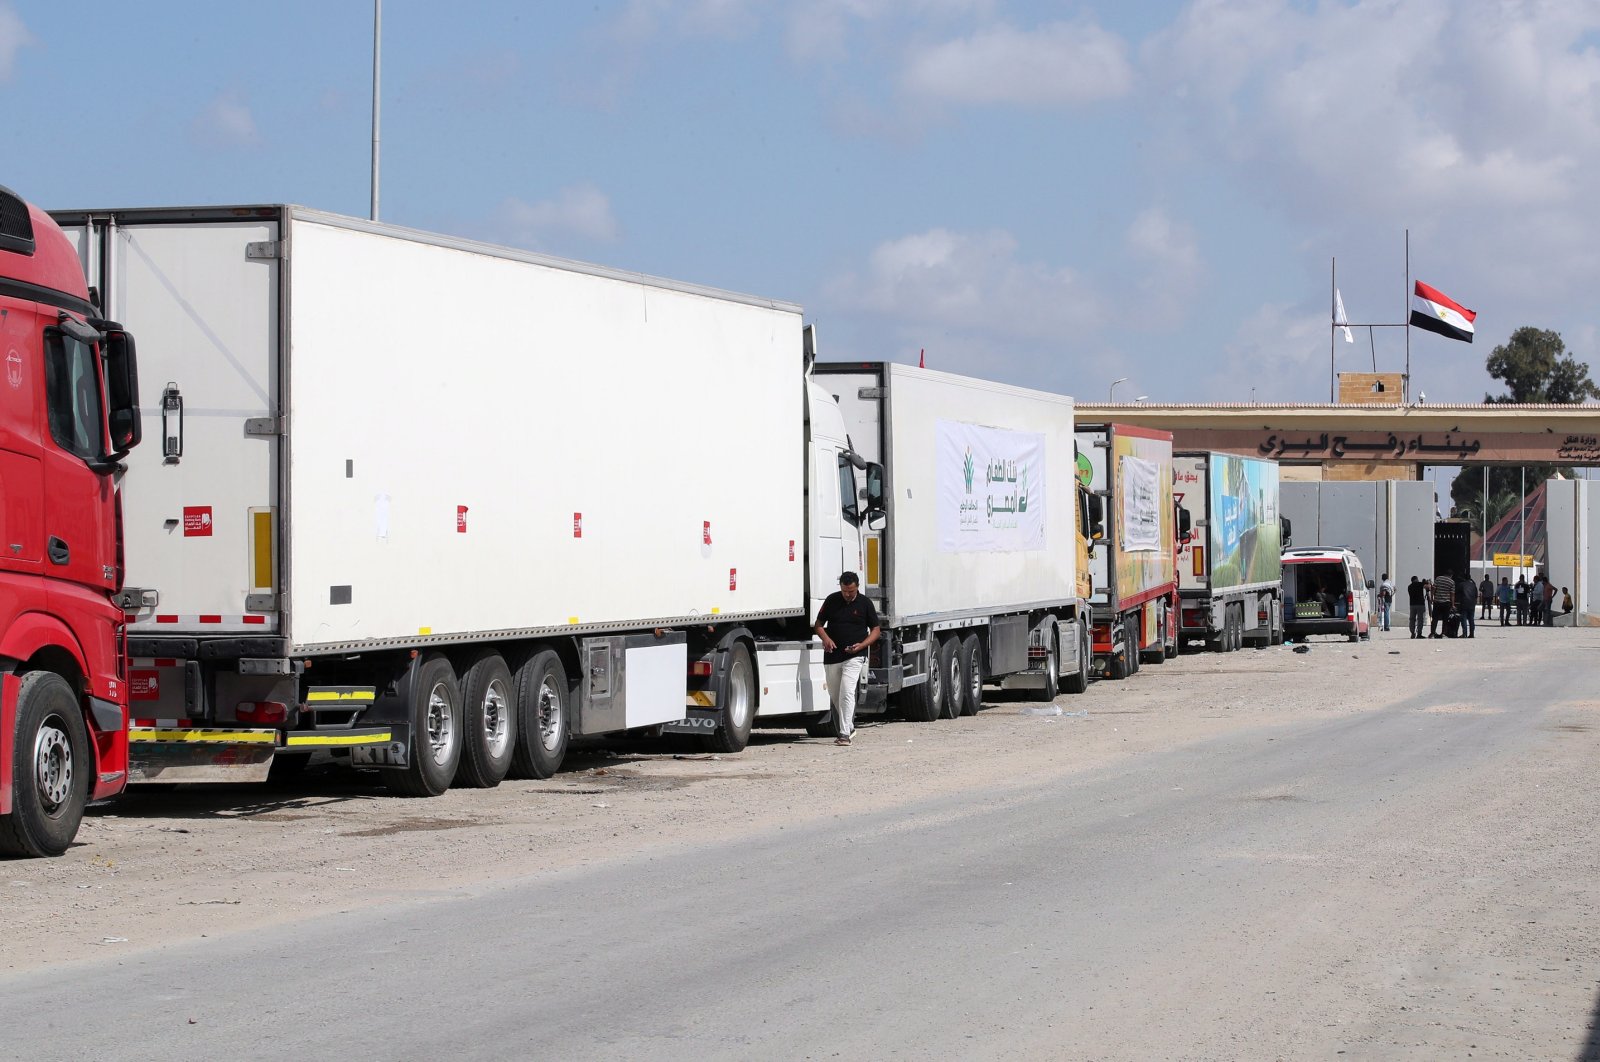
(991, 489)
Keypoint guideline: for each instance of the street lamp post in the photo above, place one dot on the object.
(1111, 392)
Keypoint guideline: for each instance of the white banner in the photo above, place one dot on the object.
(1140, 481)
(991, 489)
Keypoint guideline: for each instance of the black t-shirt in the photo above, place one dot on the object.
(1414, 592)
(847, 622)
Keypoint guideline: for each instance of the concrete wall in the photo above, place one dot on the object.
(1389, 525)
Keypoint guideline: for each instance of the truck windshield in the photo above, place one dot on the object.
(72, 392)
(848, 503)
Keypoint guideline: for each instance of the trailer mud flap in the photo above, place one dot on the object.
(697, 721)
(395, 752)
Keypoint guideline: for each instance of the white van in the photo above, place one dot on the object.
(1325, 591)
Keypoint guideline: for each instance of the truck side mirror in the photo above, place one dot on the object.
(1097, 517)
(1285, 537)
(1185, 524)
(877, 520)
(122, 390)
(876, 502)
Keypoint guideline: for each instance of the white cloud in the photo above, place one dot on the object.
(970, 281)
(825, 29)
(1170, 268)
(14, 37)
(580, 210)
(1064, 63)
(226, 122)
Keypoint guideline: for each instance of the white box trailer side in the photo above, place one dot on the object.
(441, 481)
(488, 446)
(980, 536)
(1230, 571)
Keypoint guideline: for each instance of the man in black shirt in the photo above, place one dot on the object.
(848, 625)
(1416, 593)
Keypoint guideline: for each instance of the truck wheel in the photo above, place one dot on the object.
(952, 675)
(51, 765)
(822, 726)
(489, 707)
(544, 716)
(738, 703)
(972, 662)
(1079, 682)
(436, 726)
(1275, 614)
(921, 703)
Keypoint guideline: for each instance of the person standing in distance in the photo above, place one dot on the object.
(1417, 594)
(1386, 597)
(848, 625)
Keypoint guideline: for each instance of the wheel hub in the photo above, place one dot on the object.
(550, 721)
(52, 760)
(441, 724)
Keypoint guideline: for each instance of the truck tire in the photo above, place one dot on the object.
(1275, 619)
(972, 664)
(51, 769)
(544, 716)
(953, 676)
(436, 725)
(737, 700)
(1079, 682)
(489, 707)
(822, 726)
(921, 703)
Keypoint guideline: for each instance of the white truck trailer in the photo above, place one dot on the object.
(443, 506)
(974, 568)
(1230, 566)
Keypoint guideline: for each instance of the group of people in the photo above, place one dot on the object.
(1457, 598)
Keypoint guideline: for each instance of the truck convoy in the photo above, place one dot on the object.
(1230, 566)
(1135, 601)
(444, 507)
(68, 417)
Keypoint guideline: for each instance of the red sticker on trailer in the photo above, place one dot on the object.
(577, 525)
(733, 578)
(461, 519)
(144, 685)
(197, 521)
(705, 533)
(791, 549)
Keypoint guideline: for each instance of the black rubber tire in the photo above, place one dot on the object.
(545, 699)
(972, 665)
(953, 674)
(1052, 673)
(287, 767)
(1079, 683)
(436, 732)
(45, 813)
(921, 703)
(823, 727)
(1275, 621)
(489, 707)
(737, 701)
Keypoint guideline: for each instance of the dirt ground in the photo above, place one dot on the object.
(171, 864)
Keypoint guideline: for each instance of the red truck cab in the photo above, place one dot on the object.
(68, 415)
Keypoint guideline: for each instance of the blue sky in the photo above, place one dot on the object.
(1053, 195)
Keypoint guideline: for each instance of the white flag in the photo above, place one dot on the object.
(1339, 319)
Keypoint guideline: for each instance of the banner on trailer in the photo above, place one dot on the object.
(991, 489)
(1141, 503)
(1244, 521)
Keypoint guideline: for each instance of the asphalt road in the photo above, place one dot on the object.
(1418, 881)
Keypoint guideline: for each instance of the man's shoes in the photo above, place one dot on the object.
(841, 741)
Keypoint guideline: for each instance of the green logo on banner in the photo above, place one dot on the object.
(1085, 471)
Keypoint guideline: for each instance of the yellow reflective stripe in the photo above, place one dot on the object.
(232, 737)
(701, 697)
(363, 696)
(261, 548)
(339, 739)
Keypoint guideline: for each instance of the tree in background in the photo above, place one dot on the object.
(1535, 367)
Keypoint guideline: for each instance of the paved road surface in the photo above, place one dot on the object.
(1419, 881)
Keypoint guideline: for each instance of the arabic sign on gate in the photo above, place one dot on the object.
(1371, 446)
(991, 489)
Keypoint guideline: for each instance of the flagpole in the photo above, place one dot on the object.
(1405, 315)
(1333, 318)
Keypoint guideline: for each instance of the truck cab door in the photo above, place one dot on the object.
(79, 535)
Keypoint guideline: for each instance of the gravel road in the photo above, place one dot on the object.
(1375, 851)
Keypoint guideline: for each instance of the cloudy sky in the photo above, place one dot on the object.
(1049, 194)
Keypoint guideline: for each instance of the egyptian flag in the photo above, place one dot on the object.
(1437, 312)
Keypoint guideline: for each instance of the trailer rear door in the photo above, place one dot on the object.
(200, 500)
